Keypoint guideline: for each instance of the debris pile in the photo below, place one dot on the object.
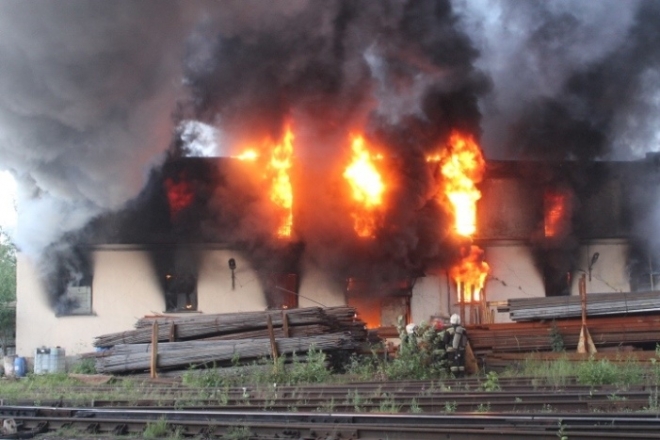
(228, 339)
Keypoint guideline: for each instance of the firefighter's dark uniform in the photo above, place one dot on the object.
(455, 341)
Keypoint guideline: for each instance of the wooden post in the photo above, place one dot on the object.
(271, 334)
(285, 324)
(461, 302)
(172, 332)
(471, 364)
(154, 350)
(585, 343)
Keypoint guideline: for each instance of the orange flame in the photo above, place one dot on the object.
(470, 275)
(556, 213)
(462, 166)
(367, 187)
(281, 192)
(249, 155)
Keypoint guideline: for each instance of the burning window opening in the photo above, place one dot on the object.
(556, 213)
(180, 292)
(180, 193)
(282, 291)
(277, 173)
(281, 191)
(644, 270)
(461, 166)
(73, 284)
(380, 306)
(367, 187)
(470, 274)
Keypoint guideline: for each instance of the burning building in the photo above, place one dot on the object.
(322, 156)
(184, 246)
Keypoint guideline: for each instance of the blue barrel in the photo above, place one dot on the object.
(20, 366)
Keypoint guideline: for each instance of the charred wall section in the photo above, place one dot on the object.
(555, 206)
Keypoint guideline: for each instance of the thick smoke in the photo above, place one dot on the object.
(86, 94)
(572, 80)
(91, 94)
(399, 71)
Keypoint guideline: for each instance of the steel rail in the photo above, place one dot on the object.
(367, 426)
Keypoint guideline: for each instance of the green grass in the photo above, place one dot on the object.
(160, 429)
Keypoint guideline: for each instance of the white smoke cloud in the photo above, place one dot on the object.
(87, 90)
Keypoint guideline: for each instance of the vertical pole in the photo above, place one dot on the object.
(154, 350)
(285, 323)
(172, 332)
(582, 287)
(651, 272)
(271, 334)
(460, 294)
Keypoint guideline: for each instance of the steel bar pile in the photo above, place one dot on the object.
(598, 304)
(228, 339)
(136, 357)
(198, 326)
(539, 336)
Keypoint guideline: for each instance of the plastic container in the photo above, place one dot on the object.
(57, 360)
(20, 366)
(42, 360)
(9, 365)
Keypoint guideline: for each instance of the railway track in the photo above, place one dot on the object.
(405, 397)
(451, 409)
(313, 426)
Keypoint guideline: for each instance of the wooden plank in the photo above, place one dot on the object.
(154, 351)
(172, 332)
(271, 335)
(285, 324)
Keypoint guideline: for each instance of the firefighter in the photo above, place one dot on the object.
(455, 341)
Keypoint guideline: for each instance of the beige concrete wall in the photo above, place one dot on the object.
(214, 287)
(609, 273)
(430, 297)
(317, 287)
(124, 289)
(512, 274)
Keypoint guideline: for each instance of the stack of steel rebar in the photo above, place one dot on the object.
(228, 339)
(598, 304)
(548, 335)
(186, 354)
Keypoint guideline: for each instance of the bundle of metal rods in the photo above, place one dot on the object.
(178, 342)
(179, 355)
(240, 325)
(598, 304)
(544, 336)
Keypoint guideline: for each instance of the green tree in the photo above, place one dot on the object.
(7, 290)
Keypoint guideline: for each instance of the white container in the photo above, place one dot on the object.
(42, 360)
(57, 360)
(9, 365)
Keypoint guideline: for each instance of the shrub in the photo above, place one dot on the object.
(84, 366)
(594, 372)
